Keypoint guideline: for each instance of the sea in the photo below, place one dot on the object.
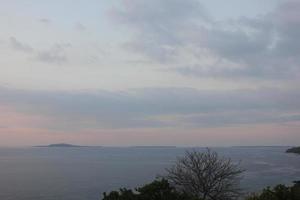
(40, 173)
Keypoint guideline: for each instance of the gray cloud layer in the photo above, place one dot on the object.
(183, 37)
(19, 46)
(54, 55)
(154, 107)
(262, 47)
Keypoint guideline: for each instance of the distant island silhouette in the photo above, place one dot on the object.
(60, 145)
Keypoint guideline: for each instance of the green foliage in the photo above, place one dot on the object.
(162, 190)
(279, 192)
(123, 194)
(157, 190)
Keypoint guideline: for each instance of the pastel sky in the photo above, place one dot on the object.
(141, 72)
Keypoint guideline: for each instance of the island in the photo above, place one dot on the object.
(294, 150)
(60, 145)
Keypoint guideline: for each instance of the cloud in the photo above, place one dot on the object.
(185, 38)
(80, 27)
(54, 55)
(45, 21)
(154, 23)
(156, 107)
(19, 46)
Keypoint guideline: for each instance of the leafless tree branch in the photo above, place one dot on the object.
(206, 176)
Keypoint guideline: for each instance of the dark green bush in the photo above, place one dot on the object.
(157, 190)
(279, 192)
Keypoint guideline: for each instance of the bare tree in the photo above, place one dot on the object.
(206, 176)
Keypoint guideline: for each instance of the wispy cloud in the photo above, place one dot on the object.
(183, 36)
(55, 55)
(45, 21)
(80, 27)
(19, 46)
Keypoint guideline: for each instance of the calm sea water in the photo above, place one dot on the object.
(84, 173)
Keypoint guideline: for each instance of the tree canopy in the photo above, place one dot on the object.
(157, 190)
(279, 192)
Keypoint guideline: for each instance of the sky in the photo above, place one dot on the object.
(159, 72)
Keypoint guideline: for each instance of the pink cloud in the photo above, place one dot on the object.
(9, 117)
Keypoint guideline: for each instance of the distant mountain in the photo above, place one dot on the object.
(294, 150)
(60, 145)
